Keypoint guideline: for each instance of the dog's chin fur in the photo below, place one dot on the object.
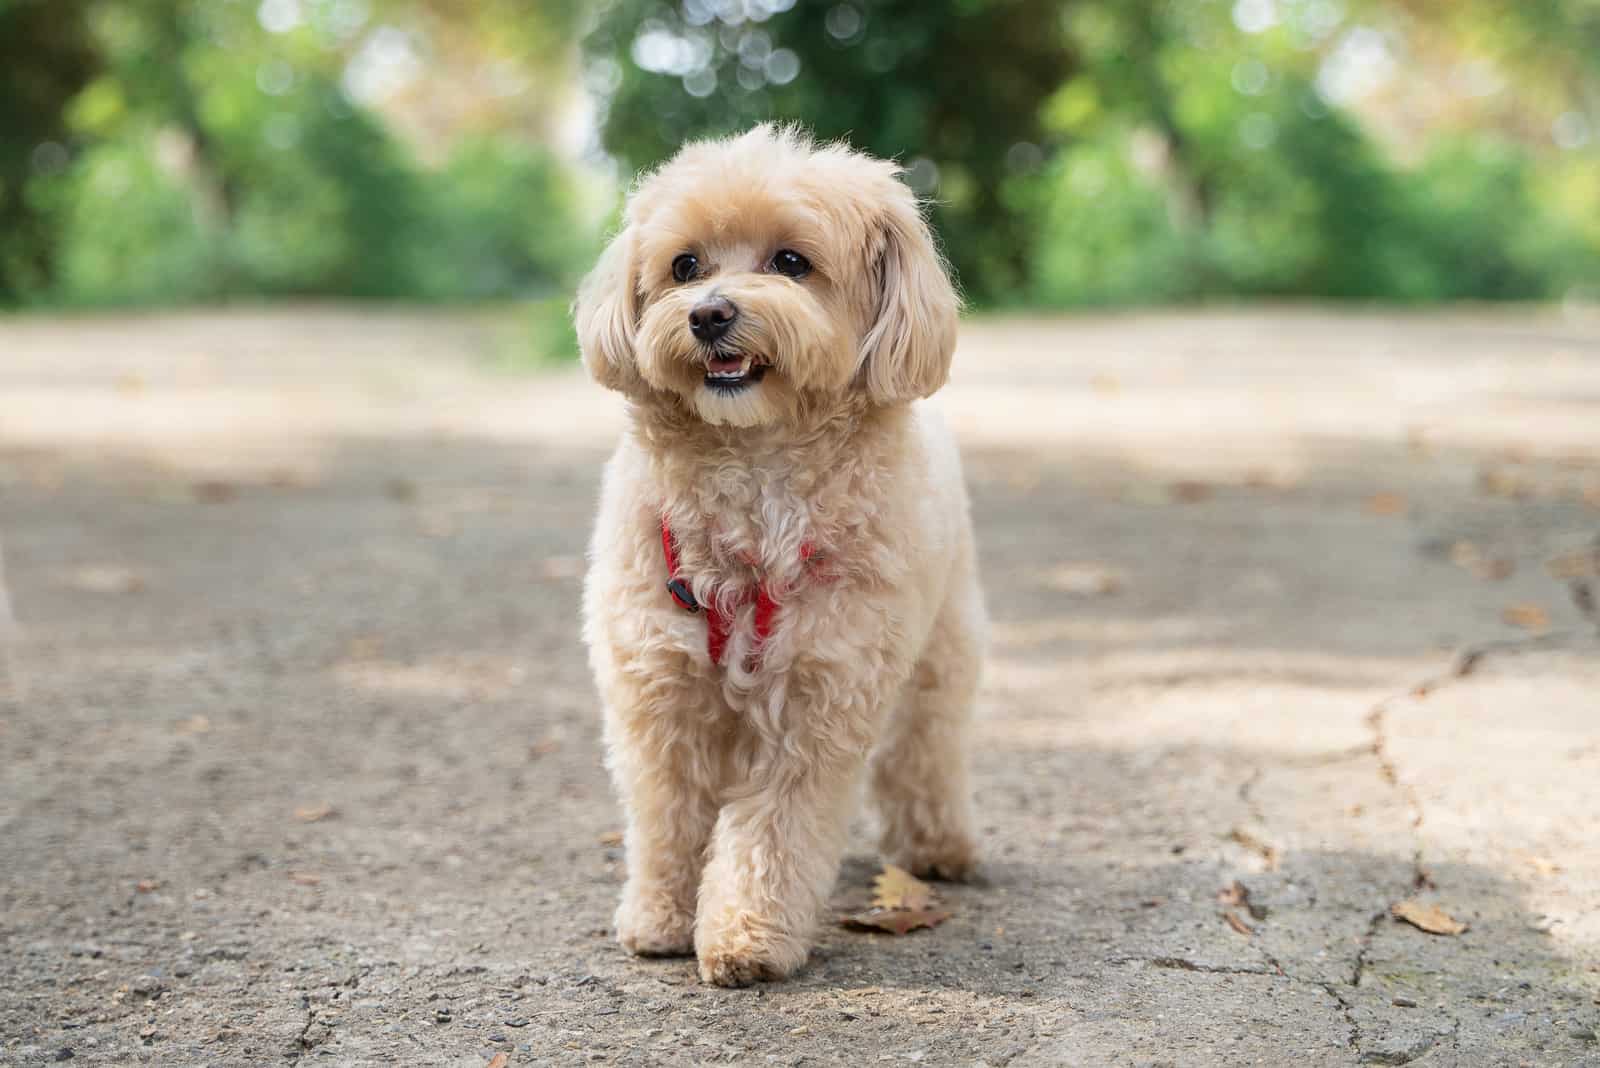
(821, 483)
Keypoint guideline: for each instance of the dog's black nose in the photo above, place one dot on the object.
(711, 318)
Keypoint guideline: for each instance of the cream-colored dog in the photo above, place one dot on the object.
(782, 589)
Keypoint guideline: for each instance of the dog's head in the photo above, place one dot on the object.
(756, 273)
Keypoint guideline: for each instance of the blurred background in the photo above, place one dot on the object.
(1076, 152)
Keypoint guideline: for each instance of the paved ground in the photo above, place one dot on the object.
(298, 757)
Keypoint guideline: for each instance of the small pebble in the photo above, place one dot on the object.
(518, 1022)
(1405, 1003)
(147, 986)
(1584, 1034)
(64, 1053)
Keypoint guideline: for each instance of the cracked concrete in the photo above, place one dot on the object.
(301, 763)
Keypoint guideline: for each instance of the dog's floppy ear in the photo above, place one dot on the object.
(606, 315)
(906, 352)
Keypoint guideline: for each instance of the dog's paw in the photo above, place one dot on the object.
(655, 931)
(955, 859)
(739, 956)
(741, 968)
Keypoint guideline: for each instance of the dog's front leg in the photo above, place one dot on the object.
(663, 743)
(778, 840)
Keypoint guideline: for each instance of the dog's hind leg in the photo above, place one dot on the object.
(919, 767)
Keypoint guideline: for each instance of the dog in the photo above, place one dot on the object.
(782, 596)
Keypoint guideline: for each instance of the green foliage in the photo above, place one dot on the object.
(1207, 165)
(1073, 151)
(45, 60)
(220, 159)
(956, 84)
(503, 221)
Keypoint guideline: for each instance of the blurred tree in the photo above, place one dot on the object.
(46, 57)
(950, 87)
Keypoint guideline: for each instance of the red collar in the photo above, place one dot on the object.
(719, 624)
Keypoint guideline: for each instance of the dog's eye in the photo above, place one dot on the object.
(685, 267)
(790, 264)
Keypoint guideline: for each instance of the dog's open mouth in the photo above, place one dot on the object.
(728, 372)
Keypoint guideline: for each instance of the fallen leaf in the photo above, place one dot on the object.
(1237, 924)
(894, 921)
(107, 579)
(1526, 615)
(896, 888)
(1189, 491)
(1084, 580)
(611, 838)
(314, 813)
(305, 878)
(1430, 918)
(1265, 850)
(213, 491)
(500, 1061)
(1387, 504)
(1237, 895)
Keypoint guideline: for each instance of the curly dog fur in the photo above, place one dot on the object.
(739, 777)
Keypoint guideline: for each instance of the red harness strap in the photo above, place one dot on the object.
(718, 624)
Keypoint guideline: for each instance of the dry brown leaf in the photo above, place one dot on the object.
(894, 921)
(1526, 615)
(1235, 893)
(1265, 850)
(896, 888)
(611, 838)
(1189, 491)
(1430, 918)
(1387, 504)
(1237, 924)
(1084, 580)
(314, 813)
(500, 1061)
(305, 878)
